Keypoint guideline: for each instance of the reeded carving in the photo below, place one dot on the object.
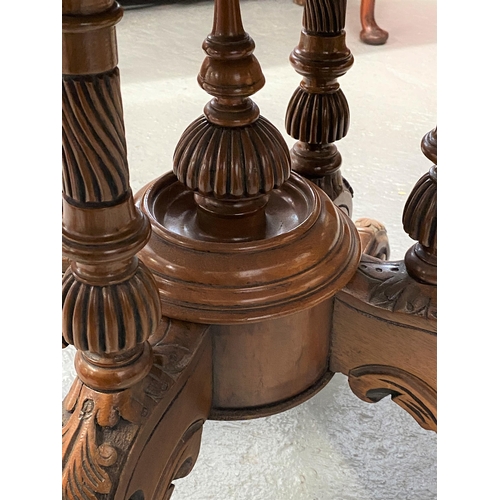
(420, 219)
(232, 153)
(109, 319)
(239, 162)
(324, 16)
(318, 112)
(317, 118)
(371, 383)
(420, 212)
(95, 167)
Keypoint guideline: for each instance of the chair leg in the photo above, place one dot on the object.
(371, 33)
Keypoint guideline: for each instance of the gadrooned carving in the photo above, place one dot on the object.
(232, 162)
(110, 318)
(317, 118)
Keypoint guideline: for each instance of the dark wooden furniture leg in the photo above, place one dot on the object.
(318, 113)
(371, 33)
(132, 419)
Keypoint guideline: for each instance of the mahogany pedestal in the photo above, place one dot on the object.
(236, 286)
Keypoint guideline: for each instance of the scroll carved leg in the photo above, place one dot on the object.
(384, 325)
(371, 33)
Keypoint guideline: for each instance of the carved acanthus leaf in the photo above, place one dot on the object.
(84, 457)
(386, 284)
(86, 454)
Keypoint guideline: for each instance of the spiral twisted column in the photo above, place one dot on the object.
(420, 219)
(318, 112)
(110, 301)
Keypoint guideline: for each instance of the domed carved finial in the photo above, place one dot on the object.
(231, 157)
(420, 219)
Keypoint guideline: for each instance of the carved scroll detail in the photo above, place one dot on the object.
(95, 166)
(374, 239)
(91, 460)
(84, 458)
(182, 463)
(371, 383)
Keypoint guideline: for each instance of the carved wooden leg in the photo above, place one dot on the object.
(385, 319)
(318, 113)
(371, 33)
(132, 419)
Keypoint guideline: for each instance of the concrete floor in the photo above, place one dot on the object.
(333, 447)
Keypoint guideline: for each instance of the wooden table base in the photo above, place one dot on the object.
(234, 287)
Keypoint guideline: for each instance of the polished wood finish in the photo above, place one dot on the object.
(318, 113)
(385, 320)
(371, 33)
(243, 244)
(130, 403)
(233, 287)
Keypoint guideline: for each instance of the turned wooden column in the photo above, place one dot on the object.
(110, 301)
(420, 219)
(318, 113)
(243, 244)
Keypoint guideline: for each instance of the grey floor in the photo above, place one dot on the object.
(333, 447)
